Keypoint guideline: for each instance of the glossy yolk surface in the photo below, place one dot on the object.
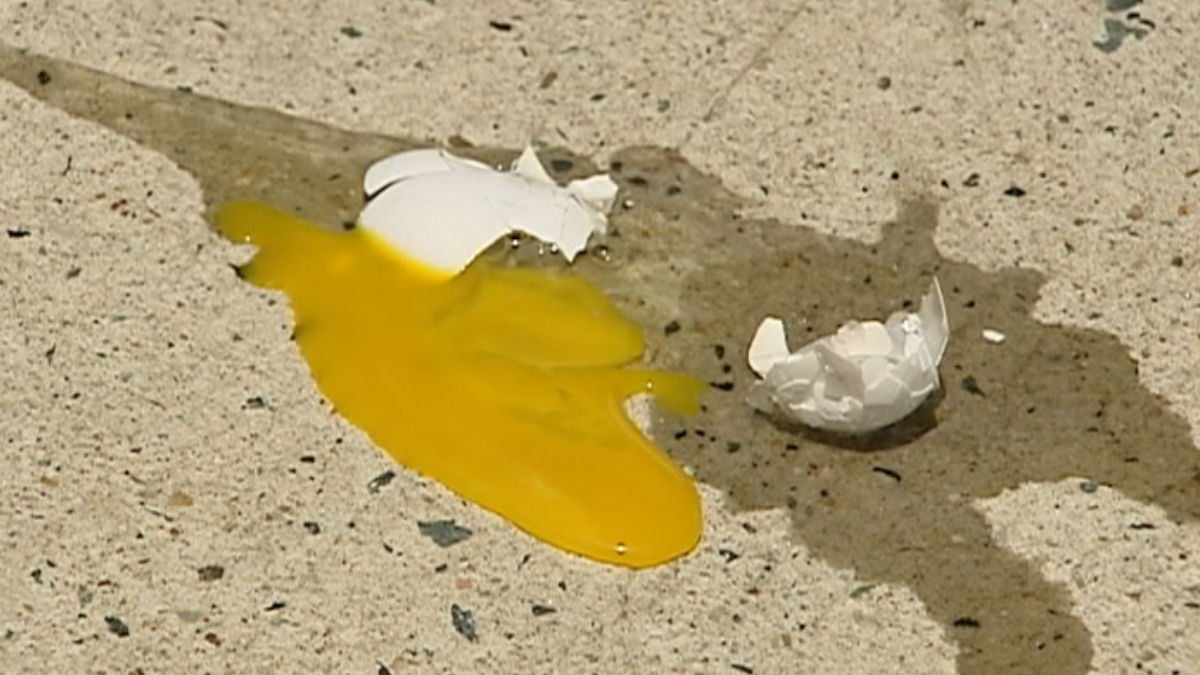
(505, 384)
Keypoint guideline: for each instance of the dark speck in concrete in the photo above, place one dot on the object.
(971, 386)
(890, 473)
(210, 572)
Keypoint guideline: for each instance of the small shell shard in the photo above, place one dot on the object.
(769, 346)
(599, 192)
(528, 166)
(935, 325)
(445, 210)
(994, 336)
(864, 377)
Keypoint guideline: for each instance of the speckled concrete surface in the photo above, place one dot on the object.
(141, 462)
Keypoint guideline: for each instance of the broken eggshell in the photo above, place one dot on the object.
(864, 377)
(444, 210)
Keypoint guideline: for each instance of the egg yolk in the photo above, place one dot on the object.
(505, 384)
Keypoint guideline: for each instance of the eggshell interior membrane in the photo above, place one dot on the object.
(504, 384)
(444, 210)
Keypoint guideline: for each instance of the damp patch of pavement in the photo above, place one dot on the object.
(1060, 402)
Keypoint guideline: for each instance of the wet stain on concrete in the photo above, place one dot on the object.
(1048, 403)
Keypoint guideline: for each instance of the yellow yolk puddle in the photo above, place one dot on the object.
(502, 383)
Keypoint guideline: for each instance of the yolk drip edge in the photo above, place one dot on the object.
(504, 384)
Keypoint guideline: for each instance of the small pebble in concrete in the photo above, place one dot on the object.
(464, 622)
(116, 626)
(444, 533)
(381, 481)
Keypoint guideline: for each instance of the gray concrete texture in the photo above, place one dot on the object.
(181, 498)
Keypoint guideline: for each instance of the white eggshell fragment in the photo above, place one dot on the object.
(413, 163)
(864, 377)
(994, 336)
(444, 210)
